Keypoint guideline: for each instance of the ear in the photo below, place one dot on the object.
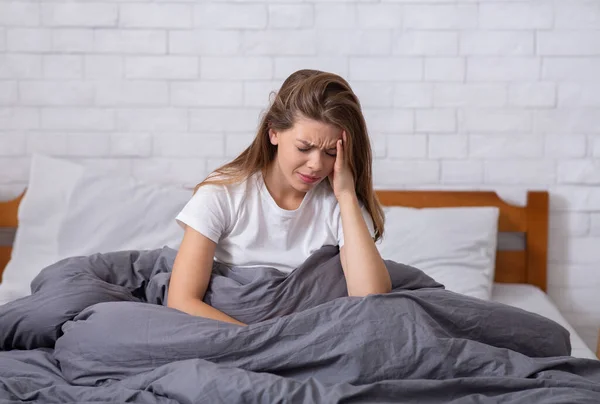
(273, 137)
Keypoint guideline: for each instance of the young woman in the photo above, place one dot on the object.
(304, 182)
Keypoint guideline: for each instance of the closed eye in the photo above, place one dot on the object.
(305, 150)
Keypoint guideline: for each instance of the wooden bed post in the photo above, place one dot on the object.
(8, 226)
(537, 238)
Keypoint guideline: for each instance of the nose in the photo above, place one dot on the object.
(315, 162)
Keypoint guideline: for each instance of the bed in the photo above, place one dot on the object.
(520, 269)
(521, 260)
(519, 281)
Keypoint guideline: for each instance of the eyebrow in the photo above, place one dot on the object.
(309, 144)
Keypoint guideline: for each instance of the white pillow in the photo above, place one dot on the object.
(455, 246)
(111, 213)
(70, 209)
(40, 213)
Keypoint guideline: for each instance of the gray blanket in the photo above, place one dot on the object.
(96, 328)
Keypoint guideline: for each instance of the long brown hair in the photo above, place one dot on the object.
(323, 97)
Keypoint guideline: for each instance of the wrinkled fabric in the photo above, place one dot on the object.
(97, 328)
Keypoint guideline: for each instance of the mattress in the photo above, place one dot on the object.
(533, 299)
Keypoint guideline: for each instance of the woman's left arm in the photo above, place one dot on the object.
(363, 267)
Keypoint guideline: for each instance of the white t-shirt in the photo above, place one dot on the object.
(250, 229)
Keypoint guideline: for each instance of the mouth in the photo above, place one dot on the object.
(308, 179)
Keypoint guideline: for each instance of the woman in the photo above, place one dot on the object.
(304, 182)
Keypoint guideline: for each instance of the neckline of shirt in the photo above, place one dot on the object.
(266, 195)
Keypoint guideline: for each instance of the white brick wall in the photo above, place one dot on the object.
(457, 94)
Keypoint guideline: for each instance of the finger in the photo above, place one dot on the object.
(339, 158)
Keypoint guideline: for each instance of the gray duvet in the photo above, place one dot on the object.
(96, 329)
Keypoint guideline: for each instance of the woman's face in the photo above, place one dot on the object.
(306, 152)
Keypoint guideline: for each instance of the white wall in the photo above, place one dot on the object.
(486, 94)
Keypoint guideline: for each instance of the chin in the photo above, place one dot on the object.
(301, 186)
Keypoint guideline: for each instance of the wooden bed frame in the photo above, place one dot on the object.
(523, 230)
(8, 226)
(524, 263)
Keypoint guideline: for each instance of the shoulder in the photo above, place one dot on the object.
(227, 190)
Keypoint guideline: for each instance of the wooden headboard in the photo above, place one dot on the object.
(523, 231)
(8, 226)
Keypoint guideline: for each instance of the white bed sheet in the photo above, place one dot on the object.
(7, 293)
(533, 299)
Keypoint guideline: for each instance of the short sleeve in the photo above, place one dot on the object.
(367, 218)
(207, 212)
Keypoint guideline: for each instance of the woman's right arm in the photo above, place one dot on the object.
(191, 275)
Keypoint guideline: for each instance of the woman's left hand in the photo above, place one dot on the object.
(341, 178)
